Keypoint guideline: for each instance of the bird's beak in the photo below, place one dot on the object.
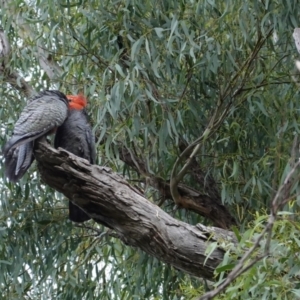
(71, 97)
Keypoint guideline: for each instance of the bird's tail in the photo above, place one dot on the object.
(76, 214)
(18, 160)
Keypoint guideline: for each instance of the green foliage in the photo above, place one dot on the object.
(274, 277)
(154, 72)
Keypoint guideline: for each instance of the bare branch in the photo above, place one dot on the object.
(10, 76)
(47, 63)
(207, 204)
(237, 83)
(105, 195)
(296, 36)
(4, 46)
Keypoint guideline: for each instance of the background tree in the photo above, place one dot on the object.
(194, 103)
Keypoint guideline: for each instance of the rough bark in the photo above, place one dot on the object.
(109, 198)
(206, 203)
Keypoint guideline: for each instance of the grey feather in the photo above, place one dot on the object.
(76, 136)
(45, 112)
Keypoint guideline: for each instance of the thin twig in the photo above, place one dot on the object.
(216, 120)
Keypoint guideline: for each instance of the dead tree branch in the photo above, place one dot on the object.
(109, 198)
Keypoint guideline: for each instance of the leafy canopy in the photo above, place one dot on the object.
(155, 73)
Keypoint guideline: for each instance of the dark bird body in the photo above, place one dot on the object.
(75, 135)
(40, 117)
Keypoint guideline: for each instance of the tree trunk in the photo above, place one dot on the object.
(109, 199)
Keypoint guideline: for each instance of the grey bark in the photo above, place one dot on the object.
(107, 197)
